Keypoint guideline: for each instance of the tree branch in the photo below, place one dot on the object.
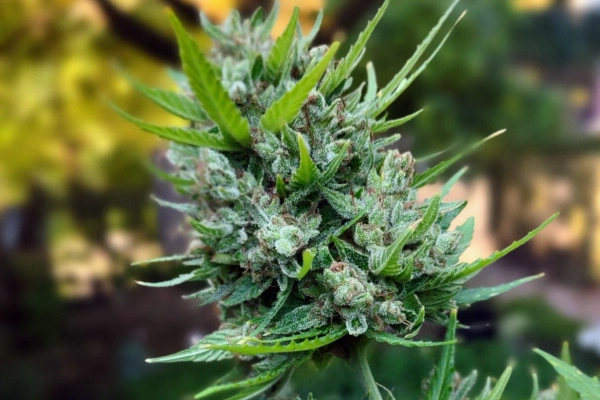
(140, 35)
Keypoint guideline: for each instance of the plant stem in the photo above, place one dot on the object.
(358, 361)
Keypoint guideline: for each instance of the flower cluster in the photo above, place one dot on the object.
(308, 225)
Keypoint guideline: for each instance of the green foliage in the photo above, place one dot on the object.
(347, 64)
(285, 109)
(175, 103)
(281, 48)
(187, 136)
(207, 88)
(572, 384)
(444, 384)
(309, 232)
(470, 296)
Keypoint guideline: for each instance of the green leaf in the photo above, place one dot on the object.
(386, 141)
(245, 289)
(382, 126)
(387, 94)
(466, 229)
(429, 217)
(441, 383)
(213, 30)
(432, 173)
(587, 387)
(280, 187)
(496, 393)
(307, 40)
(353, 221)
(257, 17)
(438, 296)
(341, 203)
(307, 258)
(207, 88)
(253, 346)
(210, 294)
(470, 296)
(487, 388)
(175, 180)
(198, 274)
(185, 208)
(272, 313)
(387, 263)
(307, 172)
(176, 103)
(257, 68)
(178, 257)
(452, 181)
(351, 254)
(172, 282)
(224, 259)
(253, 391)
(271, 19)
(299, 319)
(431, 156)
(371, 83)
(281, 48)
(535, 392)
(565, 392)
(416, 325)
(389, 338)
(259, 383)
(187, 136)
(482, 263)
(285, 109)
(198, 352)
(449, 211)
(334, 165)
(211, 231)
(348, 63)
(466, 384)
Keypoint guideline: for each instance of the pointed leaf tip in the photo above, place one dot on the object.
(347, 64)
(207, 88)
(307, 171)
(285, 109)
(281, 49)
(307, 258)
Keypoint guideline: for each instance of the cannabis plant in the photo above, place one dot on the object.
(445, 383)
(308, 227)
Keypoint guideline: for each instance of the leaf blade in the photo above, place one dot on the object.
(348, 63)
(441, 383)
(582, 384)
(208, 89)
(470, 296)
(285, 109)
(482, 263)
(280, 50)
(382, 126)
(430, 174)
(307, 171)
(187, 136)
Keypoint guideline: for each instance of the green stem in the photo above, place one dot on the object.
(358, 361)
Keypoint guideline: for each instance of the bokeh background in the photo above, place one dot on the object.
(76, 181)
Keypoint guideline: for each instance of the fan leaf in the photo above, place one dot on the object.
(285, 109)
(207, 88)
(348, 63)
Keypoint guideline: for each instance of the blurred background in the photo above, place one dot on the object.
(76, 180)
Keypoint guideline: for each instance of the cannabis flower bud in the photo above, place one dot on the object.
(309, 227)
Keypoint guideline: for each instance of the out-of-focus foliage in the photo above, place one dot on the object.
(472, 86)
(57, 74)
